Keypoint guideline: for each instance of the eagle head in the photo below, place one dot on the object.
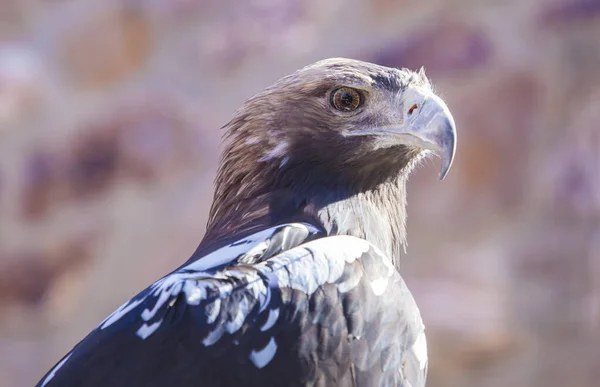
(336, 128)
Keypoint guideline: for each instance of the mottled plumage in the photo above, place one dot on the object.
(296, 281)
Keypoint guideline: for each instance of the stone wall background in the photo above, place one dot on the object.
(109, 137)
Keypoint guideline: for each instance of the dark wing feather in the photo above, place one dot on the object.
(331, 311)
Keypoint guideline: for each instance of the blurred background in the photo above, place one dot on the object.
(109, 140)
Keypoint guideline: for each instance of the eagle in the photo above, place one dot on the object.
(296, 281)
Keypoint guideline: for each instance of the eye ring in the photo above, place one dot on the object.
(346, 99)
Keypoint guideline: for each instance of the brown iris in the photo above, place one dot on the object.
(346, 99)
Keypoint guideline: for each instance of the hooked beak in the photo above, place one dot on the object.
(428, 126)
(432, 127)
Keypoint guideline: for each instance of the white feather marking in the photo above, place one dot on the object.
(117, 314)
(252, 140)
(194, 293)
(419, 348)
(273, 316)
(56, 368)
(264, 356)
(278, 151)
(212, 311)
(213, 336)
(379, 285)
(146, 330)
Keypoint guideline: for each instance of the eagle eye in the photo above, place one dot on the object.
(346, 99)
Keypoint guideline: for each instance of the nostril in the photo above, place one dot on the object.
(412, 109)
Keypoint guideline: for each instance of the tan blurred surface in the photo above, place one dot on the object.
(109, 138)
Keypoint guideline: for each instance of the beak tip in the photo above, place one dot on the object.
(448, 148)
(447, 156)
(444, 172)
